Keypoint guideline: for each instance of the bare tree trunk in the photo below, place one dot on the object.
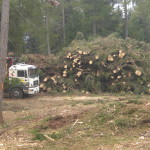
(47, 34)
(3, 48)
(94, 25)
(94, 28)
(63, 23)
(126, 18)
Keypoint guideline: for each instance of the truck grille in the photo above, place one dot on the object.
(36, 83)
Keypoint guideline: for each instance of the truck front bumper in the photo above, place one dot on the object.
(33, 90)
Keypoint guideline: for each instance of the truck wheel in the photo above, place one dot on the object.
(16, 93)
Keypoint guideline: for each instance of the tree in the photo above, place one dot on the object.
(3, 48)
(139, 22)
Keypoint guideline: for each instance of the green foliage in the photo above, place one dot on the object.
(37, 135)
(124, 123)
(11, 83)
(79, 36)
(56, 135)
(134, 101)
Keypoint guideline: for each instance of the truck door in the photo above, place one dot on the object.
(22, 76)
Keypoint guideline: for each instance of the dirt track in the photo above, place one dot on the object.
(23, 115)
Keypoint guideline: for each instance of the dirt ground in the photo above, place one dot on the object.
(23, 115)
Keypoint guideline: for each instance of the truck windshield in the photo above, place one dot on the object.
(32, 73)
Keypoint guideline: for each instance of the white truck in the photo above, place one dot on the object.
(29, 80)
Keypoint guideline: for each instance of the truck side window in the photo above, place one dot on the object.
(20, 73)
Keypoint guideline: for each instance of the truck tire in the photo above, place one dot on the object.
(16, 93)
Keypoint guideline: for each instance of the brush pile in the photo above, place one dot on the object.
(99, 65)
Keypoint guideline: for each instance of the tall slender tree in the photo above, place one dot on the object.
(3, 48)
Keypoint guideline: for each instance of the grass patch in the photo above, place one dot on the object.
(26, 118)
(56, 135)
(37, 135)
(124, 123)
(88, 102)
(130, 111)
(133, 101)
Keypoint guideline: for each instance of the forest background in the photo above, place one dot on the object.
(38, 27)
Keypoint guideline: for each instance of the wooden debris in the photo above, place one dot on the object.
(110, 58)
(138, 72)
(97, 57)
(79, 74)
(85, 53)
(46, 79)
(41, 85)
(121, 54)
(115, 71)
(65, 66)
(90, 62)
(49, 138)
(80, 52)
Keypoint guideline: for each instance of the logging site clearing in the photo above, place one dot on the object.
(91, 122)
(94, 95)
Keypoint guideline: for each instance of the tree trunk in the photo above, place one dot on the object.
(3, 48)
(63, 23)
(47, 33)
(94, 28)
(126, 18)
(94, 21)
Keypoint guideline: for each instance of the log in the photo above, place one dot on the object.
(119, 77)
(79, 63)
(80, 52)
(118, 68)
(115, 71)
(85, 53)
(64, 72)
(73, 65)
(124, 83)
(112, 77)
(79, 74)
(46, 79)
(69, 54)
(64, 75)
(75, 60)
(110, 58)
(138, 72)
(121, 54)
(90, 62)
(65, 66)
(97, 73)
(97, 57)
(64, 87)
(41, 85)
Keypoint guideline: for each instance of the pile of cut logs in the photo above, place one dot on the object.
(116, 73)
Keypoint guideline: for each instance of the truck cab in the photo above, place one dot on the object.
(27, 75)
